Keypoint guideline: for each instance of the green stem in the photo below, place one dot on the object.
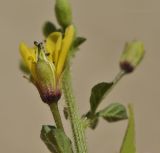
(118, 77)
(75, 120)
(56, 115)
(115, 81)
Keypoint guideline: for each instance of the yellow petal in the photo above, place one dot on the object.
(58, 49)
(28, 54)
(66, 44)
(33, 71)
(53, 43)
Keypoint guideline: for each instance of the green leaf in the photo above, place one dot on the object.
(93, 120)
(44, 136)
(129, 145)
(97, 94)
(56, 140)
(78, 41)
(48, 28)
(114, 112)
(94, 123)
(23, 67)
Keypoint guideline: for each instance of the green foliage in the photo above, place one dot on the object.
(97, 94)
(93, 120)
(129, 145)
(114, 112)
(56, 140)
(48, 28)
(78, 41)
(75, 47)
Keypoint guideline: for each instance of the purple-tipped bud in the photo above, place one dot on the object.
(132, 55)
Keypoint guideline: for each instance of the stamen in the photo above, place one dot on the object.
(39, 45)
(47, 54)
(36, 43)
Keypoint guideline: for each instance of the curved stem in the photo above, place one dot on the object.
(118, 77)
(75, 120)
(56, 115)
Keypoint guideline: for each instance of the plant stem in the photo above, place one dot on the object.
(115, 81)
(75, 120)
(56, 115)
(118, 77)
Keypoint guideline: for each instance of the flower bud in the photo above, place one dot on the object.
(132, 55)
(63, 12)
(45, 81)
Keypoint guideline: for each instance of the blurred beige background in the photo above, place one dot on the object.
(107, 24)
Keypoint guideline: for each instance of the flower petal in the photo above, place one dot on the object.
(58, 49)
(33, 72)
(28, 54)
(53, 45)
(66, 44)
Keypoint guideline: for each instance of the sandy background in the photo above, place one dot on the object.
(107, 24)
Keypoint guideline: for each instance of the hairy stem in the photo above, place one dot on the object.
(56, 115)
(75, 120)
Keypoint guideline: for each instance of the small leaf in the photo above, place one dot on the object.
(44, 136)
(93, 120)
(23, 67)
(56, 140)
(114, 112)
(48, 28)
(97, 94)
(78, 41)
(129, 145)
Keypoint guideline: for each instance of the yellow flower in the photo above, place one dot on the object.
(47, 62)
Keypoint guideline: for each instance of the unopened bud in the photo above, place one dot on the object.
(132, 55)
(63, 12)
